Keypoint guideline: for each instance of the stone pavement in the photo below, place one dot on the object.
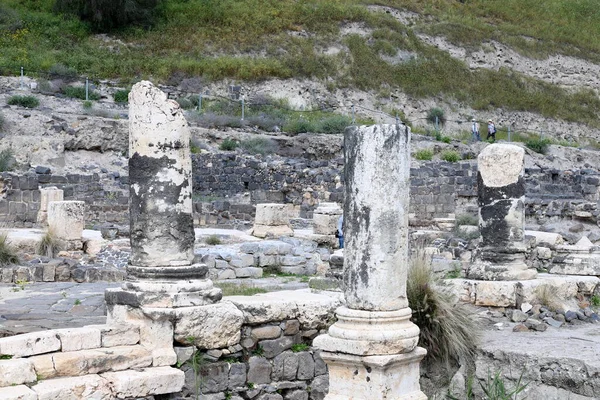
(52, 305)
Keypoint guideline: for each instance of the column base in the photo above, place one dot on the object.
(365, 333)
(501, 264)
(390, 377)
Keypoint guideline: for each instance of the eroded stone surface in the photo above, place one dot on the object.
(66, 219)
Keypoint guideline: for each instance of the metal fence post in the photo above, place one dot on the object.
(200, 102)
(509, 133)
(22, 83)
(353, 117)
(437, 121)
(243, 106)
(87, 89)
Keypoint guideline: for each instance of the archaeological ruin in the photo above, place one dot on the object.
(217, 275)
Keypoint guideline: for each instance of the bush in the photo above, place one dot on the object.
(450, 156)
(78, 92)
(49, 246)
(212, 240)
(538, 145)
(87, 104)
(196, 146)
(467, 219)
(424, 155)
(265, 122)
(7, 160)
(299, 126)
(436, 112)
(23, 101)
(186, 103)
(259, 145)
(228, 144)
(334, 124)
(121, 96)
(60, 71)
(8, 254)
(449, 330)
(445, 139)
(2, 121)
(109, 15)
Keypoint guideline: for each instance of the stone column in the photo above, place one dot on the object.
(372, 350)
(46, 196)
(66, 221)
(501, 192)
(161, 276)
(325, 218)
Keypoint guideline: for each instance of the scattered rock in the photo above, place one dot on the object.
(553, 322)
(520, 328)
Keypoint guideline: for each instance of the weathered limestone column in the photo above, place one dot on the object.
(501, 193)
(46, 196)
(372, 350)
(162, 280)
(66, 221)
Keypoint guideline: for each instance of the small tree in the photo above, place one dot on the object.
(436, 114)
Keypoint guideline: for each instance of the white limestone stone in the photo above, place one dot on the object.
(16, 372)
(20, 392)
(147, 382)
(325, 218)
(74, 388)
(272, 214)
(553, 239)
(377, 167)
(48, 195)
(212, 326)
(118, 334)
(501, 164)
(274, 231)
(29, 344)
(393, 377)
(66, 219)
(79, 338)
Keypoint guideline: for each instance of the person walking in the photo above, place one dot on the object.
(491, 130)
(475, 130)
(340, 231)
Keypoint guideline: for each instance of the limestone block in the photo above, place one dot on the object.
(48, 195)
(543, 253)
(147, 382)
(29, 344)
(267, 332)
(226, 274)
(118, 334)
(272, 214)
(275, 231)
(20, 392)
(74, 388)
(79, 338)
(552, 239)
(66, 219)
(212, 326)
(48, 272)
(324, 224)
(16, 372)
(265, 260)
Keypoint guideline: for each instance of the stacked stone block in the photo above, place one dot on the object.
(272, 220)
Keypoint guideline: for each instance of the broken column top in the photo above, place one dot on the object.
(160, 175)
(501, 164)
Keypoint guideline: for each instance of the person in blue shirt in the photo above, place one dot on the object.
(340, 231)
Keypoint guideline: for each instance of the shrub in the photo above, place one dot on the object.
(424, 154)
(538, 145)
(445, 139)
(23, 101)
(265, 122)
(2, 121)
(299, 126)
(78, 92)
(109, 15)
(259, 145)
(450, 156)
(196, 146)
(185, 103)
(334, 124)
(232, 289)
(467, 219)
(228, 144)
(60, 71)
(7, 159)
(436, 112)
(49, 246)
(449, 330)
(121, 96)
(8, 254)
(87, 104)
(212, 240)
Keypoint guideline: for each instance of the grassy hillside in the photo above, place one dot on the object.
(259, 39)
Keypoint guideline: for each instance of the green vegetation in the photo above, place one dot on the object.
(298, 347)
(436, 116)
(223, 38)
(87, 104)
(595, 300)
(23, 101)
(228, 144)
(259, 145)
(450, 156)
(449, 330)
(49, 246)
(212, 240)
(7, 159)
(78, 92)
(77, 302)
(467, 219)
(121, 96)
(494, 388)
(259, 351)
(2, 121)
(8, 254)
(424, 154)
(539, 145)
(5, 356)
(232, 289)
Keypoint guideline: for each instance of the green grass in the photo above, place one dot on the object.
(215, 40)
(424, 154)
(298, 347)
(49, 245)
(78, 92)
(231, 289)
(228, 144)
(8, 254)
(450, 156)
(212, 240)
(7, 159)
(23, 101)
(539, 145)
